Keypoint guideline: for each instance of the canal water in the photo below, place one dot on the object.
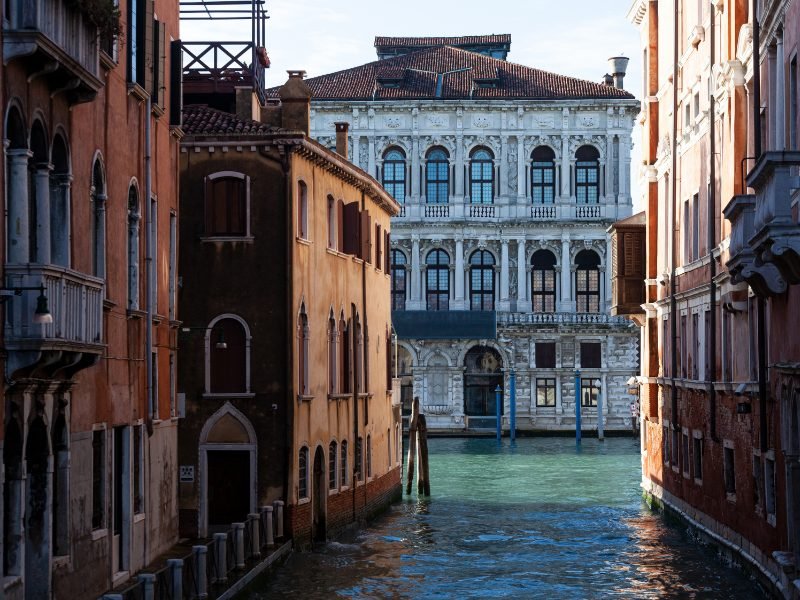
(542, 519)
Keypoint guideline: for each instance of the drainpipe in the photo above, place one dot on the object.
(672, 300)
(761, 304)
(712, 222)
(364, 330)
(354, 381)
(149, 261)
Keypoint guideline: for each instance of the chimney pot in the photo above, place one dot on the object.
(341, 137)
(295, 98)
(618, 66)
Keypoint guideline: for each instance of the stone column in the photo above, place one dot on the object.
(624, 191)
(423, 163)
(504, 300)
(522, 277)
(459, 303)
(415, 179)
(415, 300)
(459, 179)
(60, 215)
(42, 193)
(18, 211)
(565, 174)
(780, 94)
(520, 167)
(567, 303)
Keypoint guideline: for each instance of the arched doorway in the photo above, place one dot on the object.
(320, 495)
(482, 374)
(37, 510)
(227, 470)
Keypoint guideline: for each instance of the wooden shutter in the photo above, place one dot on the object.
(350, 226)
(175, 83)
(340, 226)
(545, 355)
(590, 355)
(387, 252)
(365, 237)
(145, 51)
(159, 62)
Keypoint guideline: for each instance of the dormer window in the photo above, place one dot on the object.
(487, 83)
(391, 84)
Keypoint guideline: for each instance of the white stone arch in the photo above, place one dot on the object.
(473, 145)
(596, 142)
(205, 445)
(537, 142)
(473, 248)
(207, 353)
(468, 345)
(535, 245)
(426, 357)
(596, 246)
(412, 352)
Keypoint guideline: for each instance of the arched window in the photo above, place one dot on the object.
(227, 196)
(302, 473)
(302, 210)
(437, 179)
(302, 353)
(481, 177)
(98, 193)
(587, 175)
(60, 204)
(587, 282)
(394, 174)
(134, 217)
(228, 347)
(343, 478)
(332, 470)
(543, 281)
(398, 280)
(481, 280)
(437, 280)
(346, 376)
(543, 175)
(332, 354)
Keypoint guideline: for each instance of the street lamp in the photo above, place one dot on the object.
(42, 314)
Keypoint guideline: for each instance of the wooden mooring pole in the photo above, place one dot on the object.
(423, 479)
(412, 443)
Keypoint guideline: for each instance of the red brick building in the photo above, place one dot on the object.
(90, 194)
(710, 272)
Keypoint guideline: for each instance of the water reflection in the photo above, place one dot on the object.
(543, 519)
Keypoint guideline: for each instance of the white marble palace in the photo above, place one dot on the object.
(509, 177)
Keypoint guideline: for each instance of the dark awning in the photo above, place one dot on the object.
(443, 325)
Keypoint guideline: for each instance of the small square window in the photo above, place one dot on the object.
(545, 355)
(545, 391)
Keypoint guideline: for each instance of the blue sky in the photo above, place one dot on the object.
(573, 37)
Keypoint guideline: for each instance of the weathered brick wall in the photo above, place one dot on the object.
(369, 500)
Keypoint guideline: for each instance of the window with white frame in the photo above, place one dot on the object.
(302, 210)
(227, 349)
(302, 473)
(134, 218)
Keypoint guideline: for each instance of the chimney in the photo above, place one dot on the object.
(341, 137)
(608, 79)
(295, 98)
(247, 106)
(618, 65)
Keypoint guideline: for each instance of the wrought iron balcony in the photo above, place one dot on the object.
(56, 40)
(74, 338)
(776, 231)
(628, 241)
(743, 264)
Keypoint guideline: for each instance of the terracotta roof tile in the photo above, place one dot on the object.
(201, 120)
(427, 42)
(416, 76)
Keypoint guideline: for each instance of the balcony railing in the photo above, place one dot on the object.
(56, 32)
(559, 319)
(437, 211)
(212, 66)
(764, 278)
(75, 301)
(588, 211)
(481, 211)
(776, 234)
(544, 212)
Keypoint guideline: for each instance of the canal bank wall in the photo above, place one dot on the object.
(768, 570)
(346, 507)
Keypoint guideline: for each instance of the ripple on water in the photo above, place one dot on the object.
(540, 520)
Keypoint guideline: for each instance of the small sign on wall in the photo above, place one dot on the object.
(187, 473)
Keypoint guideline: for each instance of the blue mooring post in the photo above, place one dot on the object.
(513, 393)
(497, 392)
(577, 406)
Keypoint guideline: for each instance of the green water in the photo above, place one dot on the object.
(538, 520)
